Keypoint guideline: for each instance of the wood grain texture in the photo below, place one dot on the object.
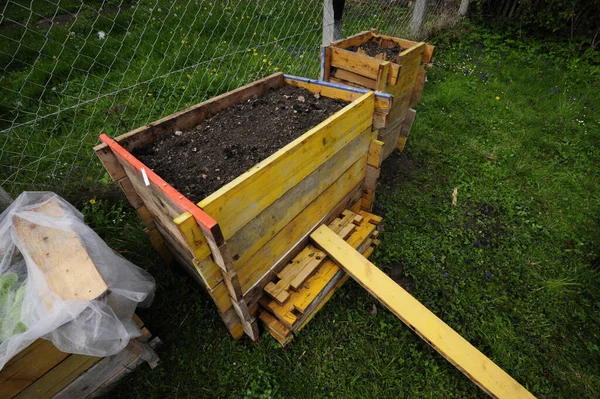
(264, 259)
(60, 255)
(261, 229)
(468, 359)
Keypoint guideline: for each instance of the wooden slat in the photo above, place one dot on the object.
(361, 65)
(264, 259)
(193, 235)
(356, 40)
(106, 371)
(476, 366)
(427, 54)
(59, 377)
(302, 301)
(261, 229)
(354, 78)
(239, 201)
(280, 332)
(351, 201)
(19, 375)
(382, 74)
(375, 153)
(410, 61)
(60, 255)
(306, 262)
(326, 91)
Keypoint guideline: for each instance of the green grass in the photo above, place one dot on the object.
(513, 267)
(511, 121)
(157, 57)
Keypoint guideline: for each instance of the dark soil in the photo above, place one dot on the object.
(373, 48)
(200, 161)
(396, 273)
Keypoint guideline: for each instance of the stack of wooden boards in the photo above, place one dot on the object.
(307, 282)
(41, 371)
(402, 76)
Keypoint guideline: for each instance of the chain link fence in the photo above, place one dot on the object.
(71, 70)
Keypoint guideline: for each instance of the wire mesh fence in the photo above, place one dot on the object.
(72, 70)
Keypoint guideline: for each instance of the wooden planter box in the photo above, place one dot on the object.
(237, 238)
(403, 78)
(41, 371)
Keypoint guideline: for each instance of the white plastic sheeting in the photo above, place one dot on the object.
(30, 309)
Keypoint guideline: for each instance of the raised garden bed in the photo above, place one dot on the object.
(382, 63)
(236, 238)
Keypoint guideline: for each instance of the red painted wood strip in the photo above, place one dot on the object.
(185, 204)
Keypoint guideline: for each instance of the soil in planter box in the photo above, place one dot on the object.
(373, 49)
(200, 161)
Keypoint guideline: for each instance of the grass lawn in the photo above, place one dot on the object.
(511, 121)
(513, 124)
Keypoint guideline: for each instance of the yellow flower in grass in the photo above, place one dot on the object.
(497, 98)
(92, 201)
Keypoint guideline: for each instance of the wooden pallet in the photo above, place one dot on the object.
(41, 371)
(308, 281)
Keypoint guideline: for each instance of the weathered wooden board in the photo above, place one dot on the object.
(60, 255)
(261, 229)
(287, 237)
(474, 364)
(361, 65)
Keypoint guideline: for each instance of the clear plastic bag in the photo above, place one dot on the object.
(59, 281)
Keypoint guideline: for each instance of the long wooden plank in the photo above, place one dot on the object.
(60, 255)
(284, 240)
(257, 232)
(468, 359)
(241, 200)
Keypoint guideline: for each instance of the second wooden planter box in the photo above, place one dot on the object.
(234, 240)
(402, 76)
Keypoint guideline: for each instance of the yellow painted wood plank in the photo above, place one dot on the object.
(303, 300)
(286, 238)
(261, 229)
(190, 230)
(241, 200)
(464, 356)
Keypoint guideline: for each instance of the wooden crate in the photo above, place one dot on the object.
(234, 240)
(41, 371)
(403, 77)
